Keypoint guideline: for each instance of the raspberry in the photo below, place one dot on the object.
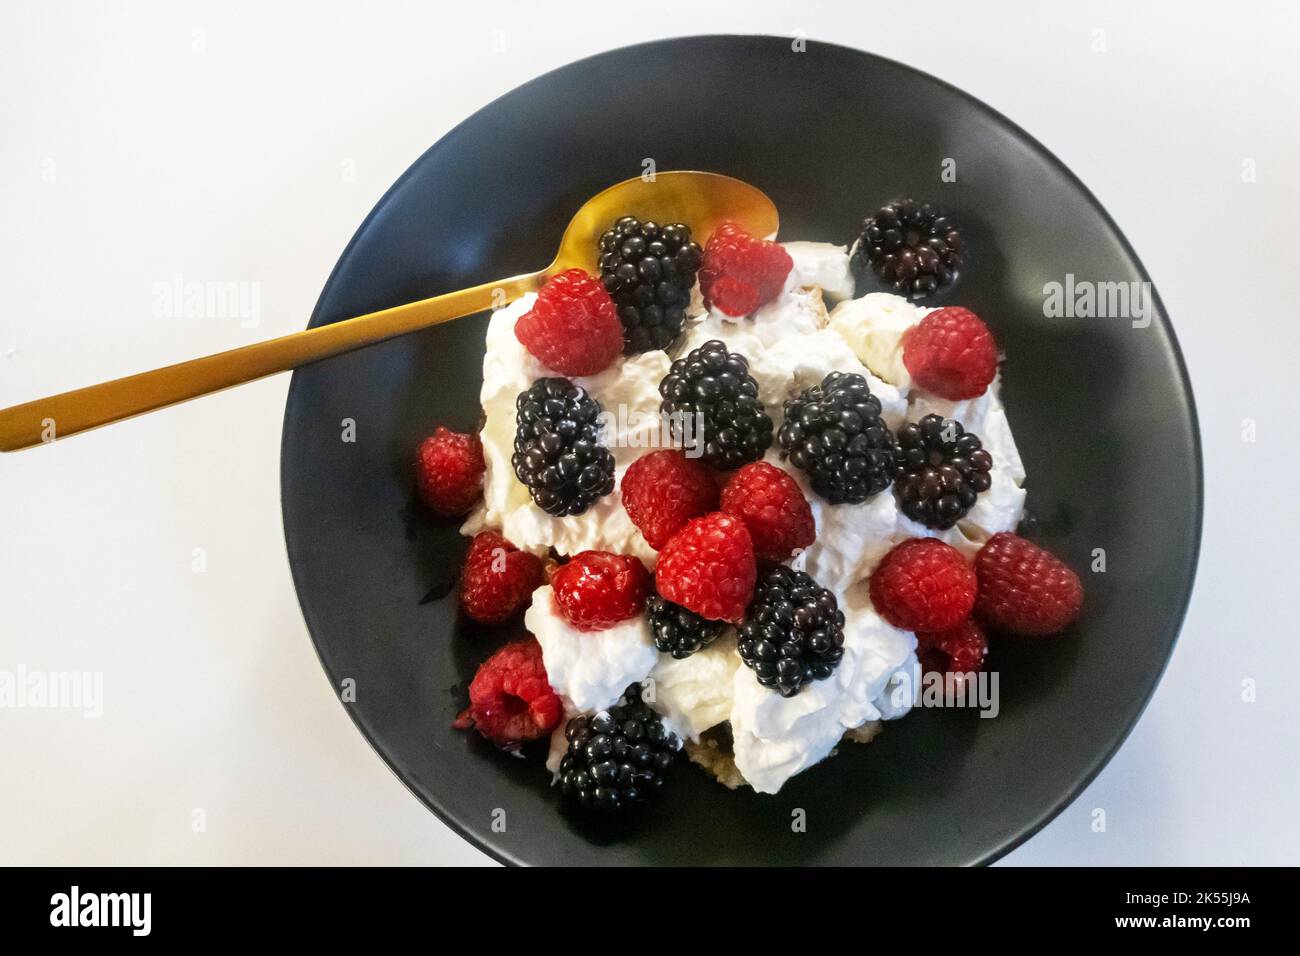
(498, 579)
(598, 589)
(1023, 589)
(951, 353)
(663, 490)
(739, 273)
(923, 584)
(773, 508)
(573, 327)
(958, 650)
(708, 567)
(510, 699)
(449, 472)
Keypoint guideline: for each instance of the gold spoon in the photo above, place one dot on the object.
(701, 200)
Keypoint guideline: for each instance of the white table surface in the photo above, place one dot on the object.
(226, 142)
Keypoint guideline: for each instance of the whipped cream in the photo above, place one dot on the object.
(696, 693)
(873, 326)
(851, 538)
(776, 737)
(589, 669)
(821, 264)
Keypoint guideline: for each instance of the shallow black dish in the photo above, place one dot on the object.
(1102, 412)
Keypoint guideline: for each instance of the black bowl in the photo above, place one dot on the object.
(1102, 412)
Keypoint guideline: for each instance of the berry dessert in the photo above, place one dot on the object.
(742, 506)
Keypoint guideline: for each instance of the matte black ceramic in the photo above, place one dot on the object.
(1102, 412)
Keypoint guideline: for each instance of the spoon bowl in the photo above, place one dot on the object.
(701, 200)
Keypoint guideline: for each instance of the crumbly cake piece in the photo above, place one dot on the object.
(866, 733)
(818, 301)
(713, 752)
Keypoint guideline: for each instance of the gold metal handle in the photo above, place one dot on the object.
(57, 416)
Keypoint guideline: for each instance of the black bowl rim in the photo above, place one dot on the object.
(1030, 828)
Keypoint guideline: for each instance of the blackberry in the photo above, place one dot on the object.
(833, 433)
(678, 631)
(940, 469)
(711, 390)
(558, 453)
(618, 757)
(793, 631)
(911, 247)
(648, 270)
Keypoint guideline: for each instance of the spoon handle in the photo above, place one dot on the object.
(57, 416)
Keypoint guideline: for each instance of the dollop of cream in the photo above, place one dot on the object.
(821, 264)
(874, 325)
(696, 693)
(589, 669)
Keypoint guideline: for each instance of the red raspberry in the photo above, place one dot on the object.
(923, 584)
(573, 328)
(958, 650)
(663, 490)
(598, 589)
(1024, 589)
(739, 273)
(449, 472)
(951, 353)
(773, 508)
(708, 567)
(498, 579)
(510, 699)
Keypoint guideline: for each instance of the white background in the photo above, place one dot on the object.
(228, 142)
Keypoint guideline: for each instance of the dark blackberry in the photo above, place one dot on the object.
(712, 388)
(648, 270)
(617, 758)
(911, 247)
(558, 453)
(833, 433)
(793, 631)
(678, 631)
(940, 468)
